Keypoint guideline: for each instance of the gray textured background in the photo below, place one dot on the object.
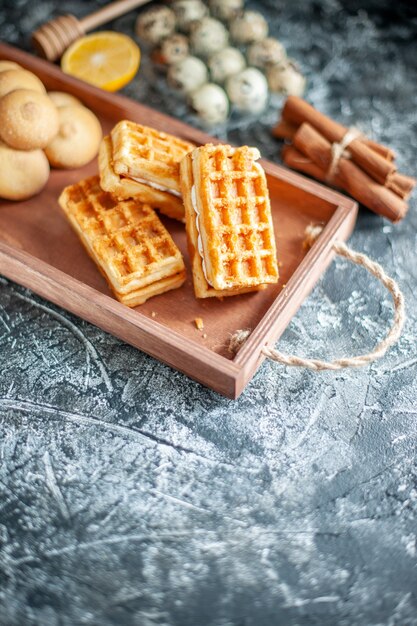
(131, 495)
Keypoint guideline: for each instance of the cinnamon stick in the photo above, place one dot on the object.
(349, 176)
(401, 185)
(297, 111)
(294, 159)
(382, 150)
(286, 130)
(297, 161)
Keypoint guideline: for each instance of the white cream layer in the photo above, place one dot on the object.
(199, 240)
(174, 192)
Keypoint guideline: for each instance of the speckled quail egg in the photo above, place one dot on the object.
(208, 36)
(210, 103)
(249, 26)
(155, 24)
(188, 74)
(225, 9)
(248, 90)
(286, 78)
(225, 63)
(266, 52)
(172, 49)
(187, 12)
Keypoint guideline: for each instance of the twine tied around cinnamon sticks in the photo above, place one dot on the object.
(343, 157)
(238, 339)
(338, 150)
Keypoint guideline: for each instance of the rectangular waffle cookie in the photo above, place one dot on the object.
(127, 241)
(148, 154)
(123, 187)
(228, 220)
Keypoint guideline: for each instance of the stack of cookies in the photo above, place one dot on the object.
(39, 130)
(220, 192)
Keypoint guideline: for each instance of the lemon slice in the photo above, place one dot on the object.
(105, 59)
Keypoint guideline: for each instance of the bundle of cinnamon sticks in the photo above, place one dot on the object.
(363, 168)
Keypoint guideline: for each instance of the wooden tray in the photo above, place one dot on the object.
(39, 250)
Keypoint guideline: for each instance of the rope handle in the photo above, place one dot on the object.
(312, 232)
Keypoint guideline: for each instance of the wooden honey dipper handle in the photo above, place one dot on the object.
(109, 12)
(53, 38)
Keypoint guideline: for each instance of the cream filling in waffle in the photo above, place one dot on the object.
(199, 240)
(143, 181)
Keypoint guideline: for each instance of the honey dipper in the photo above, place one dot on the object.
(54, 37)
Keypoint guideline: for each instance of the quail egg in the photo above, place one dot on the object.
(208, 36)
(210, 103)
(155, 24)
(225, 63)
(248, 90)
(172, 49)
(187, 12)
(286, 78)
(266, 52)
(225, 9)
(188, 74)
(249, 26)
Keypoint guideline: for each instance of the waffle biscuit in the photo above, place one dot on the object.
(122, 187)
(129, 244)
(228, 220)
(149, 156)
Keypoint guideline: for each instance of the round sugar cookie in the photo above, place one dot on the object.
(28, 119)
(78, 138)
(63, 99)
(9, 65)
(22, 173)
(19, 79)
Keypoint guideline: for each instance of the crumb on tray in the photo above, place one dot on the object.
(199, 323)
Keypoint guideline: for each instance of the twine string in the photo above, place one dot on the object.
(338, 149)
(312, 232)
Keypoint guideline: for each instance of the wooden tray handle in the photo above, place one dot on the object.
(312, 232)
